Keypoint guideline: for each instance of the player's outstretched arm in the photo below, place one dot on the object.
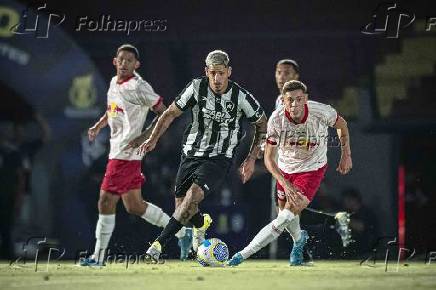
(162, 125)
(94, 130)
(247, 167)
(345, 163)
(136, 142)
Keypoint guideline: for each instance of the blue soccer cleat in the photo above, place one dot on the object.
(185, 244)
(296, 257)
(235, 260)
(84, 262)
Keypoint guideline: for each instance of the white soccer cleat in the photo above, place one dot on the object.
(200, 233)
(153, 254)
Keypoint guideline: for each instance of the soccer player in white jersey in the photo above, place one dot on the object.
(298, 131)
(129, 99)
(288, 70)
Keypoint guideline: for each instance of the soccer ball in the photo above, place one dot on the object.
(212, 253)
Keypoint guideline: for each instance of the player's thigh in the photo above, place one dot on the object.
(211, 174)
(184, 176)
(309, 182)
(133, 202)
(107, 202)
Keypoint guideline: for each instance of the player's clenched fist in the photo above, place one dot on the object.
(345, 164)
(290, 190)
(93, 132)
(299, 202)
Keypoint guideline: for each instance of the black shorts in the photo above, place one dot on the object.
(208, 173)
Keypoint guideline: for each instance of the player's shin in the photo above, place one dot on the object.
(294, 229)
(103, 233)
(269, 233)
(170, 230)
(155, 215)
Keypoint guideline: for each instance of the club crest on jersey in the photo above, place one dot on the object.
(229, 105)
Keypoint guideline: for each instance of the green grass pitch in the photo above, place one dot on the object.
(252, 274)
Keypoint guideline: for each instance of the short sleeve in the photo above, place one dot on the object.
(186, 98)
(272, 133)
(146, 94)
(251, 108)
(330, 115)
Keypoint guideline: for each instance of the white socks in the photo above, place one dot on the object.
(293, 228)
(269, 233)
(106, 224)
(156, 216)
(103, 233)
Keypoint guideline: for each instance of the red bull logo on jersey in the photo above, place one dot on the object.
(303, 141)
(113, 109)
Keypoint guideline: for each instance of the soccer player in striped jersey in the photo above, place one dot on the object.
(298, 131)
(129, 99)
(218, 106)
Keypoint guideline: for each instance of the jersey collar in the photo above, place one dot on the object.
(119, 82)
(306, 113)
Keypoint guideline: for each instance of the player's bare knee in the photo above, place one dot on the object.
(107, 203)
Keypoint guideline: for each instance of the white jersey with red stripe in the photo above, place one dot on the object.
(302, 147)
(128, 103)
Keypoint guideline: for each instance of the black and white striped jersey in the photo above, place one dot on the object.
(215, 129)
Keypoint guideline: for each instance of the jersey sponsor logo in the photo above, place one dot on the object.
(301, 140)
(113, 109)
(220, 117)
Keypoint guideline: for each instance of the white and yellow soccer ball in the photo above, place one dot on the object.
(212, 253)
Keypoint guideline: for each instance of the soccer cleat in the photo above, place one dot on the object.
(153, 253)
(84, 262)
(235, 260)
(200, 233)
(343, 227)
(185, 244)
(296, 257)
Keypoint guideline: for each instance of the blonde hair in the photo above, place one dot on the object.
(217, 57)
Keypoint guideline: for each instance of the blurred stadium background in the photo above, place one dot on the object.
(384, 86)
